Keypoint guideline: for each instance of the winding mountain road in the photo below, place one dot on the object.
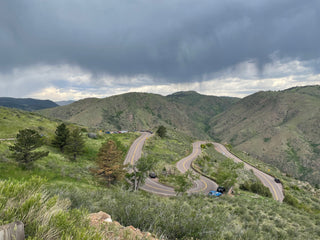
(275, 188)
(134, 152)
(203, 184)
(152, 185)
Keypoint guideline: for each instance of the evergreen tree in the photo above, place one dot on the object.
(75, 143)
(23, 150)
(61, 137)
(162, 131)
(110, 162)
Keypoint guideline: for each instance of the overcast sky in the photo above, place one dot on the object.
(74, 49)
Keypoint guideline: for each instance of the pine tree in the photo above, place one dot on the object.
(75, 143)
(110, 162)
(162, 131)
(23, 150)
(61, 137)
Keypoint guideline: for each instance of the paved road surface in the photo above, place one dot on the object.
(203, 184)
(134, 152)
(151, 185)
(275, 188)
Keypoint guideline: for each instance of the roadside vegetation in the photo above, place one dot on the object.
(298, 193)
(54, 197)
(167, 149)
(280, 128)
(227, 173)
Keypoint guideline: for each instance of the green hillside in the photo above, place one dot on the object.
(56, 208)
(56, 167)
(281, 128)
(201, 108)
(13, 120)
(27, 104)
(188, 112)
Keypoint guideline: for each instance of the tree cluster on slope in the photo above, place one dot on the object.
(71, 142)
(28, 140)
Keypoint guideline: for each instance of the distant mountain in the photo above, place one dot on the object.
(281, 128)
(201, 108)
(63, 103)
(27, 104)
(187, 111)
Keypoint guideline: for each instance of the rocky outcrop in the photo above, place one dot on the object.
(114, 230)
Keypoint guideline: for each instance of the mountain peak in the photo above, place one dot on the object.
(184, 93)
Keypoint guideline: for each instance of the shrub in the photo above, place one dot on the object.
(44, 217)
(289, 199)
(256, 187)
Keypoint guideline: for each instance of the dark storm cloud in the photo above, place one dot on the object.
(176, 40)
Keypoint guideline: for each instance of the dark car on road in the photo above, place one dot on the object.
(221, 189)
(277, 180)
(152, 175)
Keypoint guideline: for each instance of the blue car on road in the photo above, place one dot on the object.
(215, 193)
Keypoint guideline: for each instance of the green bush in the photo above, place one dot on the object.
(256, 187)
(289, 199)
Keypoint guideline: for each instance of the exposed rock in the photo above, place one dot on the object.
(92, 135)
(114, 230)
(97, 218)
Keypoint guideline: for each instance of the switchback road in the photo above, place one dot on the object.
(151, 185)
(275, 188)
(133, 155)
(203, 184)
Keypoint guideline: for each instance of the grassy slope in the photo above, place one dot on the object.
(167, 152)
(144, 111)
(56, 167)
(280, 128)
(13, 120)
(211, 163)
(244, 216)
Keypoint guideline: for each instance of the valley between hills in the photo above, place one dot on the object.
(280, 128)
(275, 132)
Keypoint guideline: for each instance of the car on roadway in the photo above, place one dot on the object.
(221, 189)
(277, 180)
(152, 175)
(215, 193)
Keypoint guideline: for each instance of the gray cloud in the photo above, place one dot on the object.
(172, 40)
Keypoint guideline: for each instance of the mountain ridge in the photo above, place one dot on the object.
(279, 127)
(27, 104)
(135, 111)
